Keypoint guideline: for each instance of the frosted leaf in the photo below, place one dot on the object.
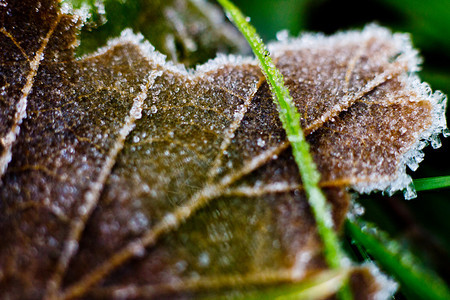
(180, 182)
(186, 31)
(75, 124)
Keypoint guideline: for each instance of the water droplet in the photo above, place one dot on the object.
(138, 249)
(169, 219)
(260, 142)
(203, 259)
(181, 265)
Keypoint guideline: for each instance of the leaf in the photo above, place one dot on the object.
(189, 31)
(132, 176)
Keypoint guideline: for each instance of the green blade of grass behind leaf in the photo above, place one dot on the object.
(414, 280)
(426, 184)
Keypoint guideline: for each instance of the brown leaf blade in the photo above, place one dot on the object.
(76, 124)
(25, 47)
(193, 184)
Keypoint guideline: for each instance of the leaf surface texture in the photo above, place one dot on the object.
(125, 175)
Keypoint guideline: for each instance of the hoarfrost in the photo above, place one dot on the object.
(387, 285)
(414, 155)
(260, 142)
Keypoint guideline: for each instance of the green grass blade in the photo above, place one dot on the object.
(290, 119)
(432, 183)
(414, 279)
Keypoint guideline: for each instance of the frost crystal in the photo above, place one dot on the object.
(388, 285)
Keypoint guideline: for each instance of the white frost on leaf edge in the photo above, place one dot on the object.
(154, 56)
(82, 13)
(308, 40)
(222, 60)
(414, 155)
(149, 52)
(388, 286)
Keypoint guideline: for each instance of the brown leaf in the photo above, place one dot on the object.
(187, 31)
(132, 177)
